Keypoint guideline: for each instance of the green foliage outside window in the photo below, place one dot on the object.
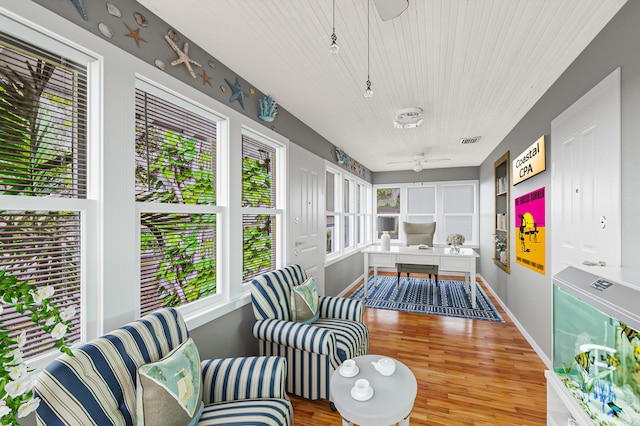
(388, 200)
(257, 253)
(177, 169)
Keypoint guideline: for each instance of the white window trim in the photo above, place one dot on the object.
(340, 176)
(439, 237)
(279, 211)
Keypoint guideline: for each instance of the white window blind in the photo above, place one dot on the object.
(175, 167)
(260, 217)
(43, 156)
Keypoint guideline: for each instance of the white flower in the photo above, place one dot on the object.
(50, 321)
(28, 407)
(58, 331)
(46, 292)
(17, 356)
(21, 339)
(4, 410)
(19, 387)
(16, 371)
(68, 313)
(1, 309)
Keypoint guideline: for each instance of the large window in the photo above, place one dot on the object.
(347, 212)
(175, 187)
(452, 205)
(43, 179)
(262, 210)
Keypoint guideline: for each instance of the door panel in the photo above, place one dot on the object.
(586, 178)
(306, 218)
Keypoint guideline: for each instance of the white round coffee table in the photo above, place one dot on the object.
(392, 400)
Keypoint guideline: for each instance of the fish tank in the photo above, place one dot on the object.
(596, 346)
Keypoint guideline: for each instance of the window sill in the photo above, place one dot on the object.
(337, 258)
(206, 314)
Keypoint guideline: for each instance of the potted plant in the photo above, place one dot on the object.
(455, 240)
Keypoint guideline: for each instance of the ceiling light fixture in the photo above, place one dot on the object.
(334, 48)
(368, 93)
(408, 118)
(418, 167)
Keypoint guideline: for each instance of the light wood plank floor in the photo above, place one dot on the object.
(469, 372)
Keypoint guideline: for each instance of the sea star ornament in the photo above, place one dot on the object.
(205, 78)
(134, 35)
(183, 56)
(236, 92)
(80, 8)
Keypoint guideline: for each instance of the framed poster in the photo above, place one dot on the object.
(530, 230)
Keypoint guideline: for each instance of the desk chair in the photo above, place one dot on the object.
(418, 233)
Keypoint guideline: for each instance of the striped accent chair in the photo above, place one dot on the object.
(97, 386)
(313, 351)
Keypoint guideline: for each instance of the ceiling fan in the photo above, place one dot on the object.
(419, 161)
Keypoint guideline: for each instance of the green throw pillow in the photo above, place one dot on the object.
(169, 391)
(304, 302)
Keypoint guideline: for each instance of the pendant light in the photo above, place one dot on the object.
(334, 48)
(368, 93)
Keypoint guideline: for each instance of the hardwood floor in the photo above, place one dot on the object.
(469, 372)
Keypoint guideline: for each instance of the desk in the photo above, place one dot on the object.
(393, 396)
(444, 257)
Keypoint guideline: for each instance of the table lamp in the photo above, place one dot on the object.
(386, 224)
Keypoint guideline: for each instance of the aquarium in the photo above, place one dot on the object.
(596, 345)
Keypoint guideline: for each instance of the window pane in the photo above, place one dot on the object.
(258, 174)
(259, 245)
(42, 247)
(331, 193)
(43, 119)
(458, 199)
(388, 200)
(459, 225)
(421, 200)
(175, 153)
(346, 194)
(331, 234)
(348, 221)
(178, 259)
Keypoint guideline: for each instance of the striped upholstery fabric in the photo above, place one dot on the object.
(313, 351)
(97, 386)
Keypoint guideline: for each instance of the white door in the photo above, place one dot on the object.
(585, 180)
(306, 208)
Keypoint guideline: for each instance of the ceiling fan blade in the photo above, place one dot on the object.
(389, 9)
(400, 162)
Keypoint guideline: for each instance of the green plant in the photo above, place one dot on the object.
(16, 383)
(178, 170)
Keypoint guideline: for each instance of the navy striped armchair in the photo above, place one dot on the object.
(97, 386)
(313, 351)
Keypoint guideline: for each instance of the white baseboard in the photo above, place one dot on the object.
(350, 286)
(523, 331)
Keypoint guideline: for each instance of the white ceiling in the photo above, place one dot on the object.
(475, 66)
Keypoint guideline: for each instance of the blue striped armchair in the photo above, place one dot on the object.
(97, 386)
(313, 351)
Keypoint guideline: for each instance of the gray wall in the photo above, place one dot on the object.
(338, 276)
(527, 294)
(427, 175)
(228, 336)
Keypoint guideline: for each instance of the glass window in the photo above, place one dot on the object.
(259, 201)
(43, 158)
(175, 167)
(458, 209)
(388, 205)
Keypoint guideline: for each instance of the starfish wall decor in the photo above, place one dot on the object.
(236, 92)
(80, 8)
(183, 56)
(134, 35)
(205, 78)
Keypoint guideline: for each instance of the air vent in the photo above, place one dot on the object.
(466, 141)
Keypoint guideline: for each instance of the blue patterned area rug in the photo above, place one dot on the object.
(422, 296)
